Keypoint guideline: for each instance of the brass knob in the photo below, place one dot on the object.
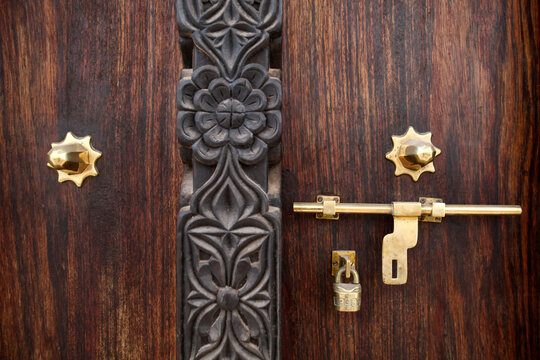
(73, 158)
(413, 153)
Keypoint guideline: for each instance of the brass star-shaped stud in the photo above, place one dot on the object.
(413, 153)
(73, 158)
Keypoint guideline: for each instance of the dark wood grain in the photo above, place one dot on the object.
(89, 272)
(357, 72)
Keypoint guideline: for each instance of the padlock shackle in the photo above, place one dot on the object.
(356, 277)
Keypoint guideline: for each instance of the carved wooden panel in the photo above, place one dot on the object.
(229, 126)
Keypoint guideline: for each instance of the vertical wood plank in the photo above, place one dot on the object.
(89, 272)
(357, 72)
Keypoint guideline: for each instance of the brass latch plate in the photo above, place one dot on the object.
(338, 257)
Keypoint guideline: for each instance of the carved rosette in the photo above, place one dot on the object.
(215, 113)
(229, 228)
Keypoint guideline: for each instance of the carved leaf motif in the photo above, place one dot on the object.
(229, 185)
(229, 249)
(193, 15)
(211, 272)
(229, 46)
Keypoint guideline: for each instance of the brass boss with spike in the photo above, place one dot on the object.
(413, 153)
(74, 159)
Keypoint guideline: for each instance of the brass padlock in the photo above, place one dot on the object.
(347, 295)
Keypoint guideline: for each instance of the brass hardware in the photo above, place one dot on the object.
(73, 158)
(430, 217)
(427, 208)
(406, 217)
(328, 207)
(340, 257)
(395, 244)
(347, 295)
(413, 153)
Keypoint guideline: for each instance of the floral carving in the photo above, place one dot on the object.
(216, 113)
(230, 45)
(229, 236)
(229, 31)
(230, 276)
(196, 14)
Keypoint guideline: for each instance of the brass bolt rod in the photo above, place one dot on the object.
(358, 208)
(481, 210)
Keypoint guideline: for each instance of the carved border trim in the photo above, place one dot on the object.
(228, 233)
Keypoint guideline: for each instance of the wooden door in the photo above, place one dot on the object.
(88, 273)
(91, 272)
(354, 74)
